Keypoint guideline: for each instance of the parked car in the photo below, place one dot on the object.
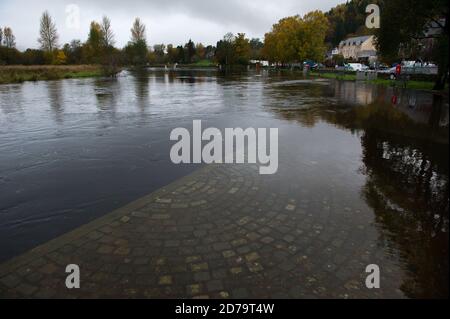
(356, 67)
(390, 71)
(411, 67)
(311, 64)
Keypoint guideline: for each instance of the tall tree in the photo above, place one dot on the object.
(172, 54)
(225, 53)
(136, 50)
(242, 48)
(93, 49)
(296, 39)
(1, 37)
(190, 51)
(138, 31)
(256, 46)
(159, 51)
(406, 23)
(9, 38)
(107, 33)
(200, 51)
(48, 33)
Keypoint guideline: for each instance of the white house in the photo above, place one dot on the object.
(359, 48)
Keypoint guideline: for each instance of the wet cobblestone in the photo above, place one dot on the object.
(222, 232)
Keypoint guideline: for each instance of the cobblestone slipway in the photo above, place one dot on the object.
(223, 232)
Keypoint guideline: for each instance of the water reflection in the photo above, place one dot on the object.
(407, 187)
(141, 88)
(115, 149)
(405, 161)
(55, 98)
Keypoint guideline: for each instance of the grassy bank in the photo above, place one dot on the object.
(19, 74)
(412, 84)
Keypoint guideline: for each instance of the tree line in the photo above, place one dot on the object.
(99, 48)
(407, 29)
(292, 39)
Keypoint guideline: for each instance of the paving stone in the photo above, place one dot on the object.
(214, 285)
(105, 249)
(199, 267)
(165, 280)
(222, 232)
(240, 293)
(10, 281)
(201, 276)
(228, 253)
(195, 289)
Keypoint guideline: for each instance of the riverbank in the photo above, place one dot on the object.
(20, 73)
(412, 84)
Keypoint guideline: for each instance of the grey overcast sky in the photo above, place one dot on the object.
(167, 21)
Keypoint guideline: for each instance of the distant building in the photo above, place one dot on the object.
(359, 48)
(331, 53)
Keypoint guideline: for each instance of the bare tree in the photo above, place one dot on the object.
(49, 35)
(107, 33)
(138, 31)
(1, 37)
(10, 39)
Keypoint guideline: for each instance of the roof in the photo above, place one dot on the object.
(356, 39)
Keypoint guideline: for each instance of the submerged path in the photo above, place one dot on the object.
(223, 232)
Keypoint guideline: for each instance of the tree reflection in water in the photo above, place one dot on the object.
(406, 164)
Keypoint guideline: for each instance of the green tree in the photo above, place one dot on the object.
(190, 51)
(296, 39)
(136, 50)
(405, 23)
(95, 37)
(159, 51)
(93, 49)
(311, 36)
(256, 47)
(225, 53)
(180, 54)
(200, 52)
(73, 52)
(172, 54)
(242, 49)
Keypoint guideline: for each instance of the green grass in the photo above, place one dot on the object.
(19, 74)
(203, 64)
(337, 76)
(412, 84)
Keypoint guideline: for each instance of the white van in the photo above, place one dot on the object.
(356, 67)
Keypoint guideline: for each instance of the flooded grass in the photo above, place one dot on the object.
(412, 84)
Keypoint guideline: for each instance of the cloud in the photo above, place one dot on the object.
(168, 21)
